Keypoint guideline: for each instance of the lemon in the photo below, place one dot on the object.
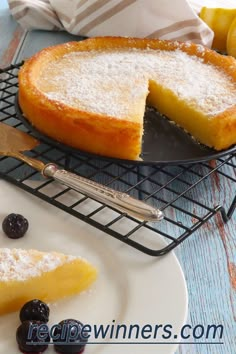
(219, 20)
(231, 39)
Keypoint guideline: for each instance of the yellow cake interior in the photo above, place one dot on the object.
(48, 276)
(102, 88)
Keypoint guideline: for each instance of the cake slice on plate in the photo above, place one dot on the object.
(48, 276)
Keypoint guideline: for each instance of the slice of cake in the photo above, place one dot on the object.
(48, 276)
(92, 94)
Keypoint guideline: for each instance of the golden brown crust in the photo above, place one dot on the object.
(93, 132)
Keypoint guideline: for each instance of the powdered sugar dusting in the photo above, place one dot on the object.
(19, 264)
(109, 83)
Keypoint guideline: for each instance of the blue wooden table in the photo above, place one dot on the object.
(208, 258)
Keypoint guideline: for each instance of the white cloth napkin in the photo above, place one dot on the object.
(164, 19)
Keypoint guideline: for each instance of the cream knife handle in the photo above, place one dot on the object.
(118, 200)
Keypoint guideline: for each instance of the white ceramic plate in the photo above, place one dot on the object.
(132, 288)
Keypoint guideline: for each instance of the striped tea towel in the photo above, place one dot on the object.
(164, 19)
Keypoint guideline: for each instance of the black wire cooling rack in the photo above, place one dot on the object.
(179, 191)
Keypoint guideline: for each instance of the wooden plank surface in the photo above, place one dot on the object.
(208, 257)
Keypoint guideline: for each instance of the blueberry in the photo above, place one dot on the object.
(35, 310)
(28, 338)
(68, 333)
(15, 225)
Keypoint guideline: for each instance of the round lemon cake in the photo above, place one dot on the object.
(92, 94)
